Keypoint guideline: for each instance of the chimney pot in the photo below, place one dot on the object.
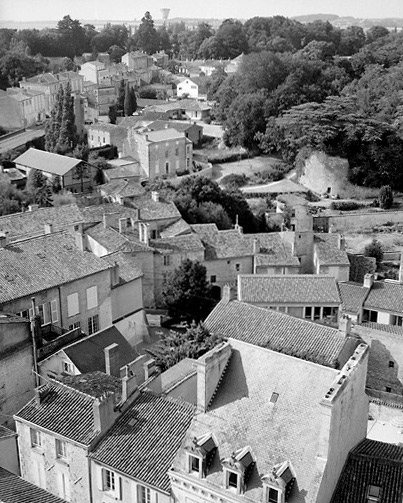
(345, 325)
(48, 228)
(369, 280)
(3, 239)
(155, 196)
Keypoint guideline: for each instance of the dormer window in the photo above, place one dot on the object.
(273, 496)
(237, 469)
(201, 452)
(278, 484)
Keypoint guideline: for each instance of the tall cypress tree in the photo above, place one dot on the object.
(133, 100)
(128, 108)
(121, 95)
(53, 126)
(60, 133)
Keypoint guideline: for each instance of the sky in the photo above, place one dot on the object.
(39, 10)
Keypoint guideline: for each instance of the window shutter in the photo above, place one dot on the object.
(92, 297)
(119, 488)
(72, 304)
(46, 313)
(53, 309)
(100, 472)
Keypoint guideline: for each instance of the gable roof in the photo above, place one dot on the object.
(178, 244)
(128, 266)
(95, 384)
(328, 251)
(64, 411)
(47, 161)
(164, 135)
(178, 126)
(32, 223)
(371, 463)
(241, 414)
(277, 331)
(352, 296)
(88, 354)
(43, 78)
(14, 489)
(385, 295)
(34, 265)
(121, 187)
(143, 442)
(289, 289)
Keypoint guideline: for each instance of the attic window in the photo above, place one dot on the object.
(232, 480)
(273, 495)
(201, 453)
(274, 397)
(391, 364)
(194, 463)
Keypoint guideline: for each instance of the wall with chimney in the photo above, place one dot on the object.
(345, 410)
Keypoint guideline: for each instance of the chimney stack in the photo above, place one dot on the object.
(210, 368)
(226, 294)
(345, 325)
(129, 386)
(155, 196)
(103, 410)
(115, 280)
(3, 239)
(368, 280)
(48, 228)
(112, 360)
(33, 207)
(122, 225)
(401, 269)
(341, 242)
(149, 368)
(143, 233)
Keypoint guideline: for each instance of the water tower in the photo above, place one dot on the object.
(165, 14)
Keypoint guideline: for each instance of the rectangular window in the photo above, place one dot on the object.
(194, 464)
(154, 234)
(36, 438)
(157, 167)
(238, 267)
(187, 163)
(176, 151)
(374, 494)
(67, 367)
(316, 313)
(61, 449)
(93, 324)
(308, 312)
(144, 494)
(213, 279)
(166, 154)
(273, 496)
(167, 260)
(77, 324)
(92, 297)
(109, 480)
(391, 364)
(72, 304)
(232, 479)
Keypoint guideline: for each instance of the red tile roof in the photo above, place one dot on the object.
(144, 441)
(385, 296)
(371, 463)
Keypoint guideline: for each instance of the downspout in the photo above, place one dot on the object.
(34, 345)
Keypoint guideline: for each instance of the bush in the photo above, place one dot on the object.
(385, 197)
(234, 180)
(345, 205)
(374, 249)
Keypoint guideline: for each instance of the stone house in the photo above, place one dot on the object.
(46, 83)
(96, 72)
(192, 131)
(21, 108)
(61, 424)
(8, 453)
(245, 388)
(74, 174)
(309, 296)
(101, 134)
(160, 153)
(187, 88)
(99, 98)
(52, 277)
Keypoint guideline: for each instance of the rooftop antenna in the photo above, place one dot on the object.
(165, 14)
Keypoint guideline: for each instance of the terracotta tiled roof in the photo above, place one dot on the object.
(328, 250)
(371, 463)
(295, 289)
(277, 331)
(63, 411)
(164, 135)
(122, 187)
(14, 489)
(178, 126)
(386, 296)
(32, 223)
(143, 442)
(95, 384)
(381, 327)
(176, 229)
(88, 354)
(241, 414)
(47, 161)
(34, 265)
(352, 296)
(43, 78)
(153, 210)
(178, 244)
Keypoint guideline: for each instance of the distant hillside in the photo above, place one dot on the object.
(343, 22)
(309, 18)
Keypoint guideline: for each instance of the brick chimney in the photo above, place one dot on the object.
(130, 389)
(103, 410)
(210, 368)
(368, 280)
(112, 360)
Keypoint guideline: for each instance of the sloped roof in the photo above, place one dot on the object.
(64, 411)
(5, 432)
(328, 250)
(385, 295)
(295, 289)
(128, 266)
(277, 331)
(164, 135)
(95, 384)
(371, 463)
(352, 296)
(122, 187)
(143, 442)
(176, 229)
(14, 489)
(47, 161)
(155, 210)
(178, 244)
(32, 223)
(284, 186)
(178, 126)
(43, 78)
(88, 354)
(114, 241)
(241, 414)
(34, 265)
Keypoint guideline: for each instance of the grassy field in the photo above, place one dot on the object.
(247, 167)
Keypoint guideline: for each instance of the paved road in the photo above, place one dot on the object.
(20, 139)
